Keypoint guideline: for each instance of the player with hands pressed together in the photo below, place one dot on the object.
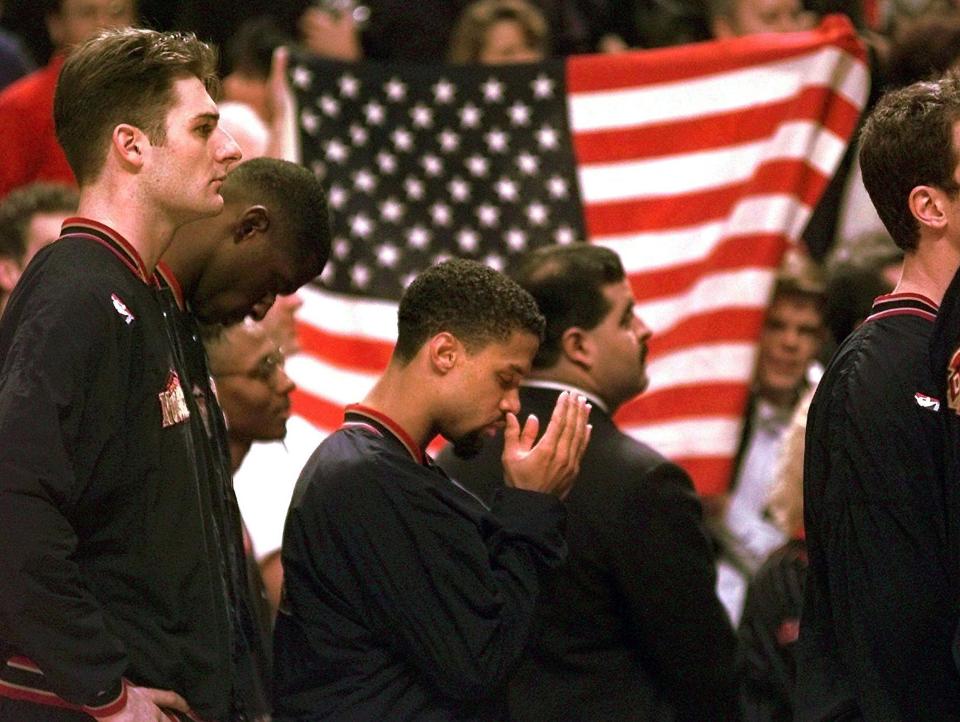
(406, 596)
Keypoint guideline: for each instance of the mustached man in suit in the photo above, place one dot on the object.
(631, 628)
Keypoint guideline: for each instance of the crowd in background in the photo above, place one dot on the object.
(823, 291)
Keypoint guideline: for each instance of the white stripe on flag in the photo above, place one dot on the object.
(364, 318)
(703, 436)
(336, 385)
(702, 365)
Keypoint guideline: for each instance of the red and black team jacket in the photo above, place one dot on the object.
(880, 601)
(117, 533)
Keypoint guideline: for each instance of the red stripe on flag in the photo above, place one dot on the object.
(684, 402)
(591, 73)
(318, 411)
(711, 474)
(728, 325)
(350, 352)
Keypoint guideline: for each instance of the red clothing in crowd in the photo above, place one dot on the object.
(28, 143)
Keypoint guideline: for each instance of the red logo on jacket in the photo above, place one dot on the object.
(953, 382)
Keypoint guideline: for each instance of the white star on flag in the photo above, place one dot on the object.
(422, 116)
(537, 213)
(492, 91)
(396, 91)
(468, 240)
(470, 116)
(361, 226)
(341, 248)
(494, 261)
(542, 87)
(386, 162)
(519, 114)
(440, 212)
(547, 138)
(391, 210)
(364, 180)
(449, 141)
(444, 91)
(387, 255)
(497, 141)
(349, 86)
(477, 165)
(459, 189)
(358, 134)
(360, 275)
(301, 77)
(375, 113)
(516, 239)
(432, 165)
(402, 139)
(414, 188)
(418, 237)
(528, 164)
(337, 152)
(309, 121)
(506, 189)
(338, 196)
(557, 187)
(329, 105)
(488, 215)
(564, 235)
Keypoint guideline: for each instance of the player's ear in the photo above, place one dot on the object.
(928, 204)
(444, 350)
(128, 142)
(9, 275)
(577, 347)
(255, 219)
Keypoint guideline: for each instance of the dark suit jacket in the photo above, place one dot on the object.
(631, 629)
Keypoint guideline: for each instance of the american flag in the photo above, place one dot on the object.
(697, 164)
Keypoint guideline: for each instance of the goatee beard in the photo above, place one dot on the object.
(467, 447)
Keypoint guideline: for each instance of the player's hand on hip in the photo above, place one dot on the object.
(550, 465)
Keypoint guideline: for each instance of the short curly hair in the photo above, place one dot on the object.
(475, 303)
(297, 199)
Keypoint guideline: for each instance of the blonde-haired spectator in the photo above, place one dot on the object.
(771, 616)
(493, 32)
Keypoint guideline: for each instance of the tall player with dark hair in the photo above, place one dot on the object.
(120, 597)
(880, 606)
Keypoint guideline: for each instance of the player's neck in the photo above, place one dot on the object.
(238, 451)
(147, 230)
(396, 396)
(928, 271)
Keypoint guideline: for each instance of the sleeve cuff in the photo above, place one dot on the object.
(108, 702)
